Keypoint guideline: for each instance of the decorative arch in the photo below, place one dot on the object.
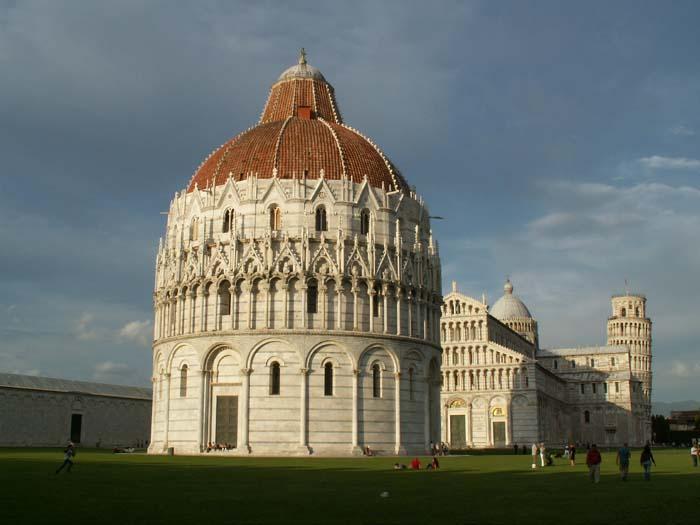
(265, 342)
(325, 344)
(391, 353)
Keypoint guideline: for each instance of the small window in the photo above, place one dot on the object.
(375, 303)
(617, 388)
(364, 222)
(312, 298)
(376, 381)
(556, 364)
(227, 224)
(321, 222)
(573, 364)
(623, 312)
(594, 387)
(605, 388)
(592, 363)
(612, 361)
(410, 384)
(328, 379)
(583, 388)
(225, 298)
(275, 218)
(587, 416)
(275, 379)
(183, 381)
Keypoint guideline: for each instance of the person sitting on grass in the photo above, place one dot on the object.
(415, 464)
(593, 460)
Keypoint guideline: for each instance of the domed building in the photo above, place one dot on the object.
(297, 293)
(512, 312)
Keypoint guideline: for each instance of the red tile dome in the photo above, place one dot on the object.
(300, 133)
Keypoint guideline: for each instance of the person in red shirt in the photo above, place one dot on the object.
(415, 464)
(593, 460)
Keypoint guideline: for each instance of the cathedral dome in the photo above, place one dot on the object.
(509, 306)
(300, 134)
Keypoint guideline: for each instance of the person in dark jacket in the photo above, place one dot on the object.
(646, 460)
(68, 455)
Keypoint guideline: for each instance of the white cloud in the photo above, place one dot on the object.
(111, 371)
(679, 369)
(84, 329)
(139, 331)
(682, 131)
(658, 162)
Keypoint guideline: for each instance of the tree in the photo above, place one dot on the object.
(660, 428)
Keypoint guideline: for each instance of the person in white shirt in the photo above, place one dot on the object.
(694, 453)
(534, 455)
(542, 451)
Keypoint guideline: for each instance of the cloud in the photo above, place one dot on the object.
(657, 162)
(84, 329)
(682, 131)
(139, 331)
(679, 369)
(111, 371)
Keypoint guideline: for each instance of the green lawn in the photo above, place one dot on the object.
(108, 488)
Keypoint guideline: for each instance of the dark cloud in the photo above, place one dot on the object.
(532, 116)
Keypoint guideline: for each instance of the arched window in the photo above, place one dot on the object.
(636, 312)
(556, 365)
(225, 298)
(183, 381)
(328, 379)
(275, 379)
(227, 225)
(623, 312)
(587, 416)
(364, 222)
(321, 223)
(376, 381)
(194, 229)
(312, 298)
(275, 218)
(612, 361)
(410, 384)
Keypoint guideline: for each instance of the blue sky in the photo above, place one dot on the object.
(560, 141)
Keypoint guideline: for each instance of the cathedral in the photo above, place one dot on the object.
(297, 293)
(299, 310)
(501, 389)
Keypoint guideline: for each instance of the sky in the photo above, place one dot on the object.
(559, 140)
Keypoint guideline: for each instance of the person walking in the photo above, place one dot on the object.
(623, 461)
(593, 460)
(694, 453)
(542, 454)
(646, 460)
(68, 455)
(534, 455)
(572, 455)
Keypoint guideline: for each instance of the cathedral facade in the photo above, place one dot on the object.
(297, 293)
(501, 389)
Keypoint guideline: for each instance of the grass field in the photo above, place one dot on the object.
(107, 488)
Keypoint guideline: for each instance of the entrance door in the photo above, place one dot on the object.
(227, 420)
(499, 434)
(76, 425)
(458, 432)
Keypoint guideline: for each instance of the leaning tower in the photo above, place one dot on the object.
(630, 326)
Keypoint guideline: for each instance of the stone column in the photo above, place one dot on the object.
(419, 319)
(371, 292)
(470, 437)
(286, 304)
(166, 412)
(234, 305)
(217, 309)
(385, 316)
(304, 409)
(426, 413)
(398, 310)
(509, 424)
(204, 311)
(398, 447)
(339, 299)
(264, 288)
(243, 417)
(323, 297)
(410, 314)
(154, 404)
(355, 410)
(202, 409)
(303, 305)
(354, 309)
